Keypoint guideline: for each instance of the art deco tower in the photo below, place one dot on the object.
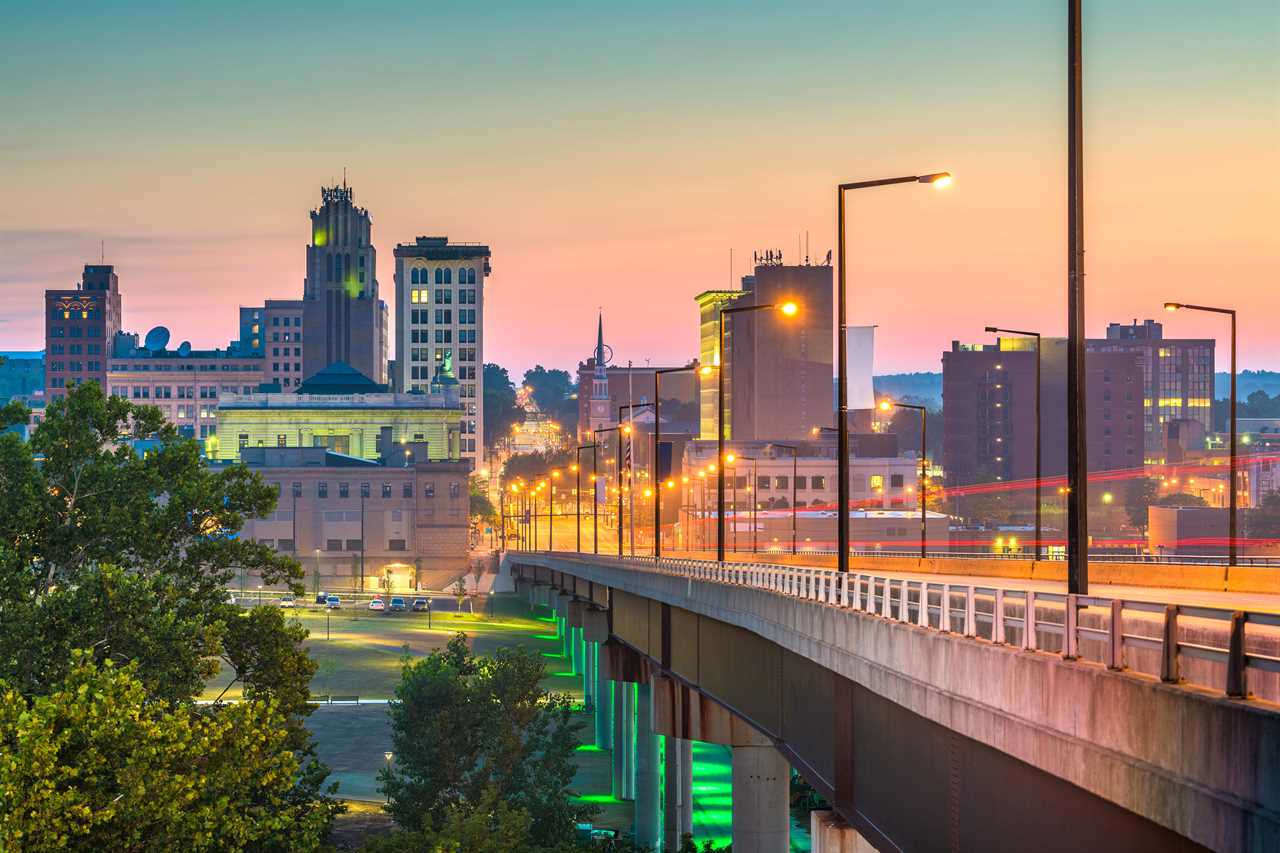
(344, 319)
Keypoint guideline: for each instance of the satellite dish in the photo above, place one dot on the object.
(184, 349)
(157, 339)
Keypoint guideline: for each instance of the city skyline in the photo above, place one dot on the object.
(605, 159)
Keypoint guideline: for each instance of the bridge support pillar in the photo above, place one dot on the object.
(761, 797)
(623, 741)
(678, 801)
(604, 705)
(648, 811)
(588, 675)
(830, 834)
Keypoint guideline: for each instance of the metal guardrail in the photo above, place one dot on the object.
(914, 553)
(1002, 615)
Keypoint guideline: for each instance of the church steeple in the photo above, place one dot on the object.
(600, 415)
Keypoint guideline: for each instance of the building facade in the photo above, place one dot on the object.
(989, 424)
(783, 364)
(186, 385)
(439, 319)
(273, 331)
(357, 524)
(345, 412)
(79, 327)
(1177, 377)
(346, 322)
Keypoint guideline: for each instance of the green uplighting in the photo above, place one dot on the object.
(602, 799)
(545, 637)
(589, 747)
(552, 655)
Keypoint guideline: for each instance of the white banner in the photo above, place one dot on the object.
(862, 345)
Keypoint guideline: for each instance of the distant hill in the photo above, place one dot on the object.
(1246, 383)
(925, 387)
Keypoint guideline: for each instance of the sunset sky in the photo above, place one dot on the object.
(613, 155)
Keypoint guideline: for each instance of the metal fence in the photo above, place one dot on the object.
(1164, 640)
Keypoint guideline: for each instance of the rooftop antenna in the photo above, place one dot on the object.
(806, 247)
(344, 177)
(102, 251)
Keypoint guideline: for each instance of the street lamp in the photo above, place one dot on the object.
(627, 429)
(577, 475)
(787, 309)
(795, 459)
(887, 405)
(996, 330)
(618, 430)
(937, 179)
(657, 445)
(1231, 477)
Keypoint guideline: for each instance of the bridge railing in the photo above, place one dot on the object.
(1023, 554)
(1177, 643)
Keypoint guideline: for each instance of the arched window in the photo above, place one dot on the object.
(439, 275)
(413, 276)
(448, 276)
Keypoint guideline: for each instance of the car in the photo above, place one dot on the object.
(396, 604)
(287, 601)
(421, 605)
(332, 602)
(231, 598)
(377, 604)
(322, 597)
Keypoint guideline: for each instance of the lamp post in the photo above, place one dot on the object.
(795, 459)
(938, 179)
(886, 405)
(788, 309)
(577, 474)
(658, 484)
(627, 429)
(1231, 476)
(618, 430)
(752, 490)
(995, 330)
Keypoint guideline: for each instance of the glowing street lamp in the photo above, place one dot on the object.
(1231, 476)
(938, 180)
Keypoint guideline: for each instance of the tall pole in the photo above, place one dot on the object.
(795, 466)
(924, 480)
(658, 483)
(618, 468)
(577, 494)
(1077, 444)
(842, 397)
(595, 526)
(1231, 507)
(720, 446)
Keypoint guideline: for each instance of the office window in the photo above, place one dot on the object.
(782, 482)
(455, 489)
(895, 481)
(364, 490)
(344, 490)
(333, 544)
(386, 490)
(429, 490)
(284, 545)
(355, 545)
(396, 545)
(818, 482)
(280, 440)
(801, 483)
(762, 483)
(407, 489)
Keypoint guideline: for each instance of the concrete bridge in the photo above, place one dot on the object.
(933, 711)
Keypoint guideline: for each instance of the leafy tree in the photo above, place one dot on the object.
(500, 409)
(1180, 499)
(553, 392)
(1139, 494)
(488, 826)
(481, 507)
(95, 764)
(128, 555)
(463, 726)
(532, 466)
(1263, 521)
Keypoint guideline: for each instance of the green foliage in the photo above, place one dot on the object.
(1263, 521)
(481, 507)
(464, 727)
(1180, 499)
(553, 392)
(126, 557)
(534, 466)
(500, 409)
(95, 764)
(1139, 494)
(490, 826)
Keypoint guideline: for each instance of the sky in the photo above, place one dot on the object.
(613, 156)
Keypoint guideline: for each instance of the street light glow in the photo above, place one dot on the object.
(938, 179)
(885, 405)
(789, 308)
(1172, 306)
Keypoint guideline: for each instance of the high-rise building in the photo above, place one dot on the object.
(440, 323)
(345, 320)
(988, 393)
(1177, 377)
(778, 368)
(273, 331)
(79, 327)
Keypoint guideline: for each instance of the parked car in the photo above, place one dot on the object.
(231, 598)
(377, 604)
(396, 605)
(322, 598)
(287, 601)
(421, 605)
(332, 602)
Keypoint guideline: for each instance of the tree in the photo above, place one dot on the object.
(95, 764)
(1180, 499)
(500, 409)
(128, 556)
(532, 466)
(1263, 521)
(481, 507)
(488, 826)
(1139, 494)
(554, 393)
(462, 726)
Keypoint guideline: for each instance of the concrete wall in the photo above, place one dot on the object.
(1198, 764)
